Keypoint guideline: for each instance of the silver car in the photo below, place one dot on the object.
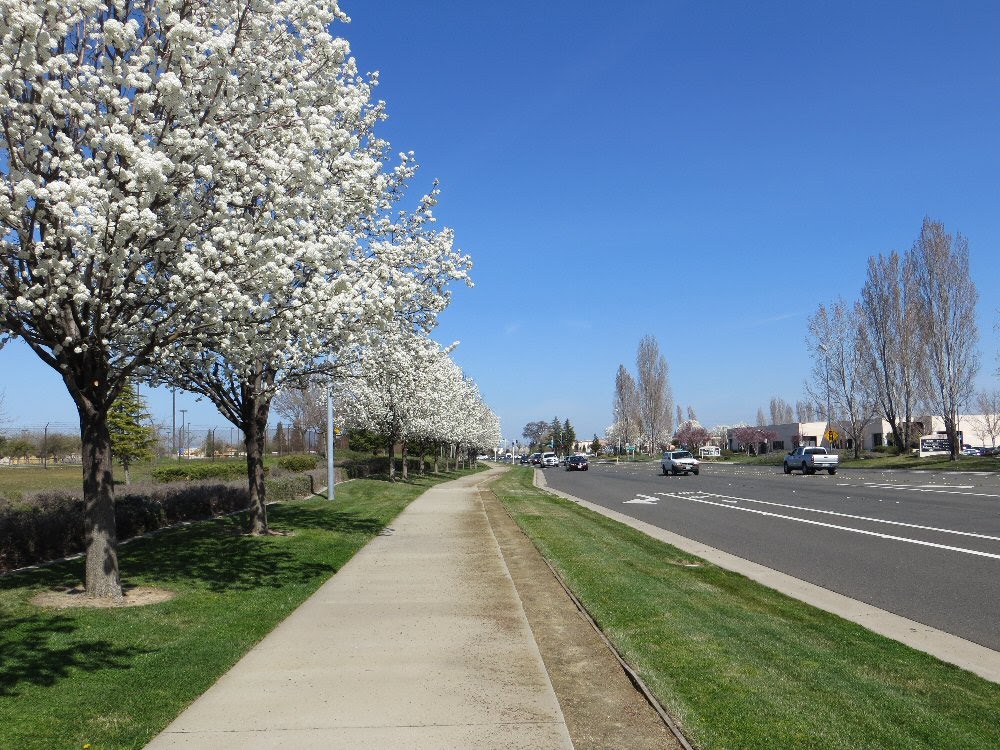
(678, 462)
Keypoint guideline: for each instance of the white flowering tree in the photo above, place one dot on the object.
(410, 390)
(154, 159)
(363, 274)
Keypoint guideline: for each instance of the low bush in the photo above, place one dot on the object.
(301, 462)
(192, 471)
(288, 487)
(49, 525)
(888, 450)
(378, 466)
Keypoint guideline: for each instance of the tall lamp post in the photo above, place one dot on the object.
(330, 489)
(826, 373)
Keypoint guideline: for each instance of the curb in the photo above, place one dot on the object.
(972, 657)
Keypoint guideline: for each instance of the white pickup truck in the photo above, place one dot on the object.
(809, 459)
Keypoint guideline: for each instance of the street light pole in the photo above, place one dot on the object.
(826, 372)
(330, 477)
(180, 448)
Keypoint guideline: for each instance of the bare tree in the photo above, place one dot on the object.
(628, 422)
(946, 307)
(691, 415)
(680, 415)
(656, 400)
(839, 372)
(781, 411)
(805, 411)
(761, 419)
(988, 407)
(889, 342)
(303, 406)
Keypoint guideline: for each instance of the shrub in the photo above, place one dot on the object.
(302, 462)
(49, 525)
(288, 487)
(191, 471)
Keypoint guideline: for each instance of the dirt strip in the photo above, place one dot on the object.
(601, 706)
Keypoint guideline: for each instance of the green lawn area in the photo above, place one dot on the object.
(114, 678)
(17, 480)
(741, 666)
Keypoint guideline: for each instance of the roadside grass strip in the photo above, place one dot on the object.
(113, 678)
(740, 665)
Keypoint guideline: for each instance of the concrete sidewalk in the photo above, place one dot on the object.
(420, 641)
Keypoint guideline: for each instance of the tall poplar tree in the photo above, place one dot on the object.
(655, 397)
(946, 305)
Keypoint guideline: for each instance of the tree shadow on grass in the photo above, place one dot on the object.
(43, 649)
(324, 519)
(218, 557)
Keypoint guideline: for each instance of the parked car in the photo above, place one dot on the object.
(549, 459)
(808, 459)
(577, 463)
(679, 462)
(969, 450)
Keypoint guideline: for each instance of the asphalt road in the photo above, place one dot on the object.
(923, 545)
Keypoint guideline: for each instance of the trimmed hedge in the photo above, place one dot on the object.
(49, 525)
(192, 471)
(300, 462)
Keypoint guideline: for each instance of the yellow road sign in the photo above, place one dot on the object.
(832, 435)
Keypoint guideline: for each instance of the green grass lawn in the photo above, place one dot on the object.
(114, 678)
(741, 666)
(15, 481)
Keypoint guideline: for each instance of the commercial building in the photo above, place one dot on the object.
(784, 437)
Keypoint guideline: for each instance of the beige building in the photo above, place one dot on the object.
(877, 433)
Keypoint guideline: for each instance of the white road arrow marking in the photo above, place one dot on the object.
(641, 500)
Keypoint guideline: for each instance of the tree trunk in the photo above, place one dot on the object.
(392, 459)
(128, 476)
(437, 454)
(102, 576)
(406, 472)
(951, 427)
(254, 412)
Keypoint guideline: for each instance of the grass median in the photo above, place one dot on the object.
(113, 678)
(742, 666)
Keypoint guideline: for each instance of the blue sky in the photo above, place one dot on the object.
(704, 172)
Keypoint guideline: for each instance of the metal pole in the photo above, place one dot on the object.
(826, 375)
(173, 422)
(180, 448)
(330, 488)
